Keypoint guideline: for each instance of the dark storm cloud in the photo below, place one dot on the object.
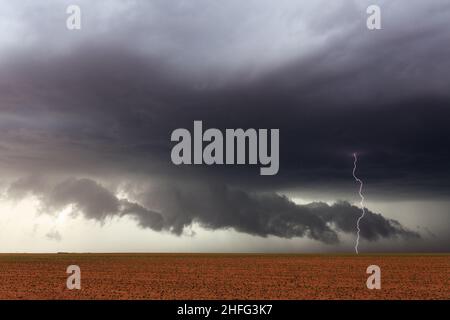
(87, 196)
(373, 227)
(218, 206)
(102, 102)
(214, 207)
(106, 105)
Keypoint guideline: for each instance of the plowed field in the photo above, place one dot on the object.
(223, 276)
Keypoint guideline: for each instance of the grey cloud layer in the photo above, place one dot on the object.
(102, 103)
(103, 100)
(212, 206)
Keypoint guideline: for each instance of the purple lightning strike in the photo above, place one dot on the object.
(361, 203)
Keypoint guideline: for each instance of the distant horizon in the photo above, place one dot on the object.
(248, 253)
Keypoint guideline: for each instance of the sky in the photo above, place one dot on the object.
(86, 118)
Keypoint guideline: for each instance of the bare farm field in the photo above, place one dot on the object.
(223, 276)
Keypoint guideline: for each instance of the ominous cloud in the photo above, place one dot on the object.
(214, 207)
(101, 103)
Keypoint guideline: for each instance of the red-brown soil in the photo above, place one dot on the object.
(223, 276)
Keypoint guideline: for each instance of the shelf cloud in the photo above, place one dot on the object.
(213, 207)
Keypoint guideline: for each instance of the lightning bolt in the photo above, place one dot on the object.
(361, 203)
